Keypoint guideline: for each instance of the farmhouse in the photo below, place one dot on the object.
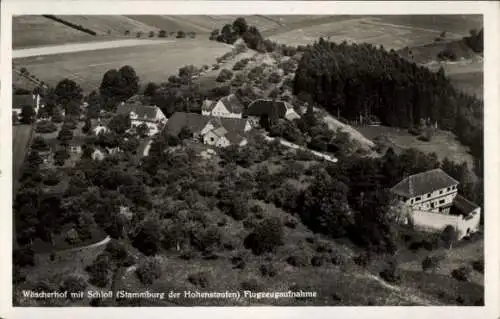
(149, 115)
(216, 131)
(433, 203)
(268, 107)
(228, 107)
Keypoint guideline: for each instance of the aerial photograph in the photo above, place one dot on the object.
(247, 160)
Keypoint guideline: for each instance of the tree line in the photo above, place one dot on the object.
(353, 79)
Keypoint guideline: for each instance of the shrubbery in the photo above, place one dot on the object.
(148, 271)
(431, 262)
(44, 127)
(224, 75)
(266, 237)
(478, 265)
(462, 274)
(200, 279)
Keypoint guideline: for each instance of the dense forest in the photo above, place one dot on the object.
(350, 80)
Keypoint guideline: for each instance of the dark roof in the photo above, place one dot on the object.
(463, 205)
(230, 124)
(265, 107)
(423, 183)
(20, 100)
(234, 137)
(194, 121)
(143, 111)
(232, 103)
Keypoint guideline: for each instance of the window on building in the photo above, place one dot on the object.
(448, 189)
(433, 205)
(428, 195)
(417, 199)
(440, 192)
(411, 201)
(441, 201)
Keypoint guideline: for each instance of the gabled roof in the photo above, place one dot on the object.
(234, 138)
(265, 107)
(145, 112)
(463, 205)
(230, 124)
(195, 122)
(232, 103)
(221, 131)
(423, 183)
(20, 100)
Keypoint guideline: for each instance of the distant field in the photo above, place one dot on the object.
(21, 135)
(466, 75)
(471, 83)
(443, 143)
(151, 62)
(360, 29)
(454, 23)
(114, 24)
(33, 30)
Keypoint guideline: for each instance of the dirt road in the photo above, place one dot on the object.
(80, 47)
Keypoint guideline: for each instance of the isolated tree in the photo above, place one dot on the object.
(150, 89)
(181, 34)
(151, 34)
(162, 34)
(39, 144)
(27, 114)
(120, 123)
(67, 90)
(60, 156)
(148, 237)
(120, 84)
(240, 26)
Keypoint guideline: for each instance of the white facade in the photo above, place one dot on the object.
(437, 222)
(220, 110)
(437, 201)
(153, 124)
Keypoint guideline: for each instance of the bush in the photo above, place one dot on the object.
(240, 65)
(238, 262)
(478, 265)
(224, 75)
(462, 273)
(57, 117)
(338, 260)
(215, 66)
(258, 211)
(45, 127)
(74, 284)
(207, 239)
(391, 273)
(99, 271)
(266, 237)
(200, 279)
(162, 34)
(317, 261)
(69, 124)
(298, 260)
(181, 34)
(149, 271)
(363, 260)
(268, 270)
(431, 263)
